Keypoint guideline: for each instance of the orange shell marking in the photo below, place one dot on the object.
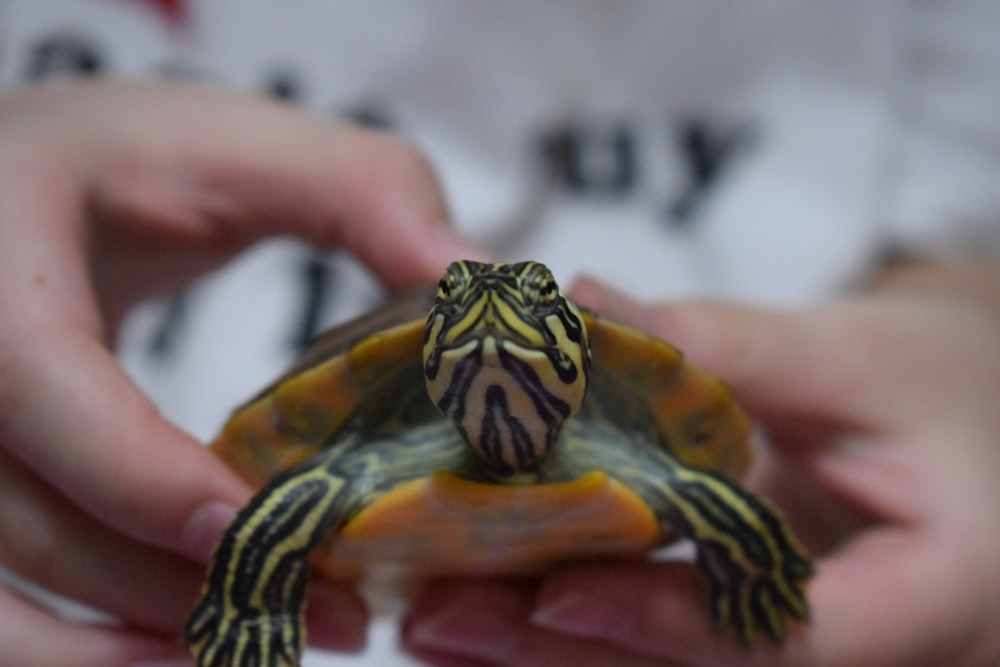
(443, 524)
(296, 417)
(678, 395)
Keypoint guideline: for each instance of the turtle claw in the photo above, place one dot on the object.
(218, 640)
(755, 568)
(757, 600)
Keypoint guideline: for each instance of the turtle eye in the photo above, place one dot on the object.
(451, 283)
(539, 286)
(543, 293)
(548, 292)
(448, 290)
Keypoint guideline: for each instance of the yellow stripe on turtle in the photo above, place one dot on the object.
(534, 458)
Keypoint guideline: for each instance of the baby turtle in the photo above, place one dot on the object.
(504, 432)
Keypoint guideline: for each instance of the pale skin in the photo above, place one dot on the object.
(109, 194)
(881, 407)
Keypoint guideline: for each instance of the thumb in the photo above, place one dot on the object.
(788, 363)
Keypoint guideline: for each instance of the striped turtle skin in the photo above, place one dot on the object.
(489, 428)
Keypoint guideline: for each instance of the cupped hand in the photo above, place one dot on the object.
(882, 417)
(110, 193)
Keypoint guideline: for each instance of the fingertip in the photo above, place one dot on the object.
(191, 497)
(394, 215)
(628, 585)
(612, 302)
(589, 292)
(655, 610)
(481, 619)
(424, 255)
(756, 350)
(582, 614)
(205, 527)
(450, 245)
(695, 328)
(593, 293)
(653, 607)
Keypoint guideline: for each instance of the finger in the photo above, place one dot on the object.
(877, 602)
(812, 364)
(808, 377)
(70, 414)
(658, 611)
(488, 621)
(166, 490)
(66, 410)
(167, 168)
(886, 600)
(32, 637)
(260, 168)
(48, 541)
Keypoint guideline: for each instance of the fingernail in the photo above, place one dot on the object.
(585, 615)
(482, 633)
(205, 528)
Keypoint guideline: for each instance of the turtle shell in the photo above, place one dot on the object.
(449, 522)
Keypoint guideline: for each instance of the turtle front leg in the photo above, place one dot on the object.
(250, 612)
(755, 568)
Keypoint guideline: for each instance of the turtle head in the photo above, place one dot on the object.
(506, 357)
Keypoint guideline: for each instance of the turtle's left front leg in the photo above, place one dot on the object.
(250, 612)
(755, 568)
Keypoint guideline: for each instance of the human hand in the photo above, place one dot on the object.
(883, 418)
(110, 193)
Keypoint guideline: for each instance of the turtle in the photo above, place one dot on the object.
(487, 427)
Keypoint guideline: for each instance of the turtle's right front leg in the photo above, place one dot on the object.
(250, 612)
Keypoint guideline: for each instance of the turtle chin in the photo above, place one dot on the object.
(493, 396)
